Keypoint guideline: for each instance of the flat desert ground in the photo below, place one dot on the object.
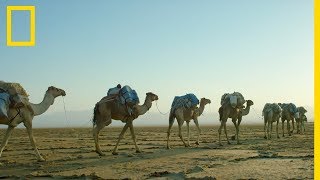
(70, 154)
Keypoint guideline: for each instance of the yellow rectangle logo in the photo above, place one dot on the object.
(32, 25)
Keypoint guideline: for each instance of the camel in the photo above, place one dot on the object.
(186, 114)
(289, 112)
(106, 110)
(300, 121)
(227, 111)
(271, 113)
(304, 120)
(26, 114)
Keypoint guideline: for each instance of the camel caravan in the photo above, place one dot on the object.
(122, 103)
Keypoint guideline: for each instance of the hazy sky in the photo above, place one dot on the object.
(263, 49)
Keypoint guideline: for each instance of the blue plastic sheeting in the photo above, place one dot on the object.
(290, 107)
(4, 105)
(128, 95)
(187, 101)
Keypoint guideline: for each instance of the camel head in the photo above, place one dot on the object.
(152, 96)
(56, 91)
(302, 110)
(249, 102)
(205, 101)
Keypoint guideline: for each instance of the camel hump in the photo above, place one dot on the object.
(187, 101)
(107, 99)
(235, 99)
(289, 107)
(16, 87)
(271, 106)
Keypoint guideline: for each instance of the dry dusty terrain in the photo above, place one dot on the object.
(70, 154)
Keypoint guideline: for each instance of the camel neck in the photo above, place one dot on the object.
(246, 110)
(201, 108)
(44, 105)
(142, 109)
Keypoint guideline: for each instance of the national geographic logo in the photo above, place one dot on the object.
(32, 35)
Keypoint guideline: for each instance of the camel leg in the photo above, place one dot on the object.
(114, 152)
(188, 132)
(265, 128)
(292, 126)
(277, 129)
(219, 131)
(268, 130)
(180, 123)
(271, 129)
(6, 138)
(168, 133)
(282, 128)
(288, 127)
(199, 130)
(28, 125)
(237, 130)
(225, 131)
(134, 137)
(96, 132)
(303, 129)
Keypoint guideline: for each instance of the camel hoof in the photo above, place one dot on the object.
(233, 137)
(115, 153)
(197, 143)
(41, 160)
(168, 147)
(100, 153)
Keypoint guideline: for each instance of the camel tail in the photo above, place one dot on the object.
(95, 113)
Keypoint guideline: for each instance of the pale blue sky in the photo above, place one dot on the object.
(263, 49)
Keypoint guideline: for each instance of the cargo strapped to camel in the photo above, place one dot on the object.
(290, 107)
(124, 96)
(235, 99)
(4, 104)
(128, 96)
(271, 106)
(11, 95)
(186, 101)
